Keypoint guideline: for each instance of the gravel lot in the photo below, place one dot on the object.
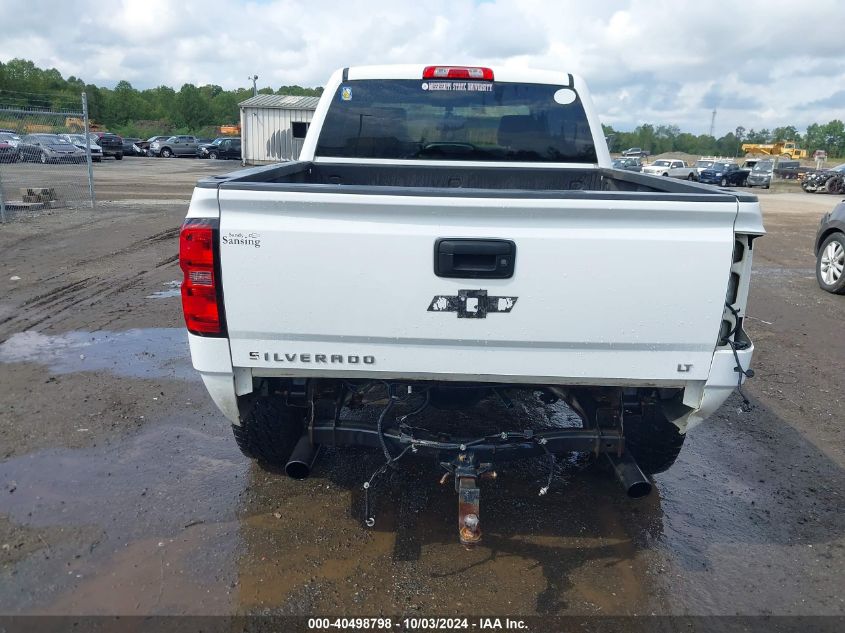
(122, 491)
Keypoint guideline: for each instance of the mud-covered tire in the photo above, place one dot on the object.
(654, 441)
(269, 430)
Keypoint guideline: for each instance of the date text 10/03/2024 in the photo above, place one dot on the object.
(417, 624)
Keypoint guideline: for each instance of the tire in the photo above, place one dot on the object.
(723, 182)
(118, 156)
(213, 155)
(691, 177)
(269, 431)
(44, 159)
(654, 441)
(166, 152)
(830, 264)
(665, 175)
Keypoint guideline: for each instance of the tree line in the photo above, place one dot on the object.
(199, 109)
(125, 109)
(659, 139)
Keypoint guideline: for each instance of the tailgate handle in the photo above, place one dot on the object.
(474, 259)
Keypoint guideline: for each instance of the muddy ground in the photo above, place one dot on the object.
(122, 490)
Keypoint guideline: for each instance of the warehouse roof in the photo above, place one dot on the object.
(284, 102)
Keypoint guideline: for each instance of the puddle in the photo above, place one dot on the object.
(148, 475)
(174, 290)
(140, 353)
(145, 525)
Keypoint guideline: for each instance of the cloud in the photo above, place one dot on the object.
(656, 61)
(836, 100)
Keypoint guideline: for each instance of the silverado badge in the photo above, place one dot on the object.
(471, 304)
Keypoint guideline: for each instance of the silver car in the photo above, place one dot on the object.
(79, 141)
(48, 148)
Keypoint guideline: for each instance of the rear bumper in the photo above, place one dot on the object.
(212, 358)
(724, 377)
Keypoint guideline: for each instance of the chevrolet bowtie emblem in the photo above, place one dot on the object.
(471, 304)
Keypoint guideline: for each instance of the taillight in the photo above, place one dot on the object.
(200, 296)
(458, 72)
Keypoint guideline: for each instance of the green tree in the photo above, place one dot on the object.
(192, 108)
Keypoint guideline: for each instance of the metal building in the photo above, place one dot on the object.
(273, 127)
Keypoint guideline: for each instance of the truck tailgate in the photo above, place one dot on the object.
(606, 288)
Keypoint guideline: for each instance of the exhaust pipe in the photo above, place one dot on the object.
(635, 483)
(301, 459)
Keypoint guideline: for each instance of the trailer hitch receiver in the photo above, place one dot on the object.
(467, 473)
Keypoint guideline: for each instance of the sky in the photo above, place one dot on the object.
(759, 64)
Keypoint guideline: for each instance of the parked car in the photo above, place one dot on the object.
(144, 146)
(672, 168)
(724, 175)
(830, 251)
(448, 304)
(224, 147)
(181, 145)
(703, 163)
(825, 180)
(130, 147)
(765, 170)
(11, 138)
(635, 151)
(787, 168)
(79, 141)
(8, 152)
(111, 144)
(48, 148)
(629, 163)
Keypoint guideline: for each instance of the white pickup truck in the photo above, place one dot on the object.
(455, 237)
(672, 168)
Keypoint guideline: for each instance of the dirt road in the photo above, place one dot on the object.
(122, 491)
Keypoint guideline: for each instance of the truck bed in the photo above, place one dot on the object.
(442, 180)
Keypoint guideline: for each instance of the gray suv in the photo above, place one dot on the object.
(175, 146)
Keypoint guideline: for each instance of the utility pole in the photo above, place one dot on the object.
(88, 151)
(713, 122)
(254, 80)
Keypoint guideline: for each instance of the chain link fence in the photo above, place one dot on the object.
(45, 157)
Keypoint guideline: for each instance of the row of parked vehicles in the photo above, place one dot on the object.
(224, 147)
(724, 172)
(72, 148)
(58, 148)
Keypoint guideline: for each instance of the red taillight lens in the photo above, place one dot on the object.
(458, 72)
(199, 286)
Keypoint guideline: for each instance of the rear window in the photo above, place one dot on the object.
(456, 120)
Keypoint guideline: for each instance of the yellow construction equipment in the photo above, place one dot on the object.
(230, 129)
(78, 125)
(781, 148)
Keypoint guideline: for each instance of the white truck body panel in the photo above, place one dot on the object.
(607, 291)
